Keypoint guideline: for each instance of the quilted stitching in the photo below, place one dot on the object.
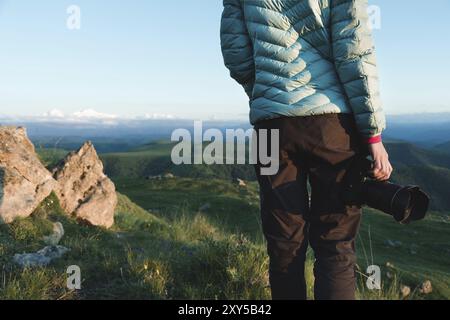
(303, 57)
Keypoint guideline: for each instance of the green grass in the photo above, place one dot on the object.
(423, 254)
(164, 247)
(142, 257)
(51, 157)
(177, 252)
(232, 209)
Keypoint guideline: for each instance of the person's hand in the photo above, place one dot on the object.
(382, 168)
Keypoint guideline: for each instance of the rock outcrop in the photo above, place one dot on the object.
(79, 182)
(24, 181)
(83, 188)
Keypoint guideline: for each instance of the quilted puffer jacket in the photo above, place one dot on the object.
(304, 57)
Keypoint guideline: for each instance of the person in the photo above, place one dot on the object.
(309, 69)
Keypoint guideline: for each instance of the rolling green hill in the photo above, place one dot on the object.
(406, 154)
(154, 158)
(413, 165)
(426, 168)
(167, 248)
(102, 144)
(424, 251)
(198, 235)
(444, 147)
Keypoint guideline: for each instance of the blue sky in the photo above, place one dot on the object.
(160, 56)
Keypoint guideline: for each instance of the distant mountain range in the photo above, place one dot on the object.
(427, 130)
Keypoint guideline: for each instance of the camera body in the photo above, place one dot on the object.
(404, 203)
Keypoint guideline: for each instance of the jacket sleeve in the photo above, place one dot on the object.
(236, 45)
(355, 60)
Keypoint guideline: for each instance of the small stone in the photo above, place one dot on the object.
(241, 182)
(413, 249)
(42, 258)
(120, 236)
(55, 238)
(205, 207)
(405, 290)
(389, 243)
(393, 243)
(426, 287)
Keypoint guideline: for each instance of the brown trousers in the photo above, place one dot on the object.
(320, 149)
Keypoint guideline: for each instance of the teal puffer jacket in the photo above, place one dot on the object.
(304, 57)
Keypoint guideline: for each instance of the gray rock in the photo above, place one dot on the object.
(84, 190)
(204, 207)
(41, 258)
(426, 287)
(56, 236)
(413, 249)
(24, 181)
(405, 291)
(393, 243)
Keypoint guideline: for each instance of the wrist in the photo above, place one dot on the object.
(373, 140)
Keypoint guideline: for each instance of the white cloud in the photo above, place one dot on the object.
(85, 116)
(92, 114)
(159, 116)
(54, 113)
(94, 117)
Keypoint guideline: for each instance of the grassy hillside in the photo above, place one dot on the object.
(154, 158)
(198, 236)
(444, 147)
(178, 251)
(424, 251)
(426, 168)
(102, 144)
(142, 257)
(413, 165)
(407, 154)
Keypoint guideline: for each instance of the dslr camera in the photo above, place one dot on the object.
(404, 203)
